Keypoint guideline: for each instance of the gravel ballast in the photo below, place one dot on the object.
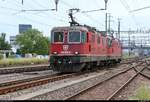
(25, 75)
(128, 92)
(104, 90)
(29, 68)
(64, 91)
(50, 86)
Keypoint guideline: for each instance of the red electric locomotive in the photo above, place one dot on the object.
(78, 47)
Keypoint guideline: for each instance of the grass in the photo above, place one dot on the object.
(142, 93)
(126, 56)
(28, 61)
(148, 58)
(21, 61)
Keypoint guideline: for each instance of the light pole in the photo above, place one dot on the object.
(106, 4)
(56, 2)
(129, 32)
(106, 16)
(22, 2)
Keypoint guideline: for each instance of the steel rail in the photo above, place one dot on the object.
(36, 81)
(132, 78)
(24, 68)
(146, 76)
(84, 90)
(33, 83)
(9, 83)
(14, 86)
(132, 60)
(124, 85)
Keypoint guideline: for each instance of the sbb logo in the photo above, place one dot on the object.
(65, 47)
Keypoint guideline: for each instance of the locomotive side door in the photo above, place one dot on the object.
(90, 41)
(104, 49)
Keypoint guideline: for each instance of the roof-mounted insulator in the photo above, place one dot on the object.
(22, 2)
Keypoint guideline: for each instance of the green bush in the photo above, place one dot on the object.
(126, 56)
(1, 56)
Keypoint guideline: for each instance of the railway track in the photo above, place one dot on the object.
(36, 81)
(16, 85)
(132, 60)
(31, 82)
(72, 97)
(124, 85)
(28, 68)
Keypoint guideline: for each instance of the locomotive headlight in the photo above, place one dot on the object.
(76, 53)
(55, 52)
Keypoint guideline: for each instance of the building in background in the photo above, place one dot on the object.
(12, 40)
(24, 27)
(13, 43)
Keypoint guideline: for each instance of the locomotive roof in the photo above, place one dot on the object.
(70, 28)
(85, 28)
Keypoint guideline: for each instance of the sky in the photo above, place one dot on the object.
(11, 15)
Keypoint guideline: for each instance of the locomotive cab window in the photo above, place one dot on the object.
(74, 37)
(58, 37)
(109, 42)
(83, 37)
(103, 41)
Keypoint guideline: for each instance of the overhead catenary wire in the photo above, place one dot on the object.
(97, 3)
(92, 10)
(65, 3)
(39, 4)
(82, 12)
(126, 6)
(33, 21)
(7, 8)
(143, 8)
(86, 15)
(25, 10)
(133, 16)
(20, 11)
(45, 16)
(96, 21)
(41, 11)
(38, 22)
(18, 4)
(7, 24)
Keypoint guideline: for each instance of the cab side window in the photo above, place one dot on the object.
(84, 37)
(109, 42)
(103, 41)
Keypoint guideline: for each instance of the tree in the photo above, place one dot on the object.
(41, 47)
(32, 41)
(4, 45)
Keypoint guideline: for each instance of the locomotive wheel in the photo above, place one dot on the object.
(119, 60)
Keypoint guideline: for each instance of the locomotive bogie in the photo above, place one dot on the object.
(65, 68)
